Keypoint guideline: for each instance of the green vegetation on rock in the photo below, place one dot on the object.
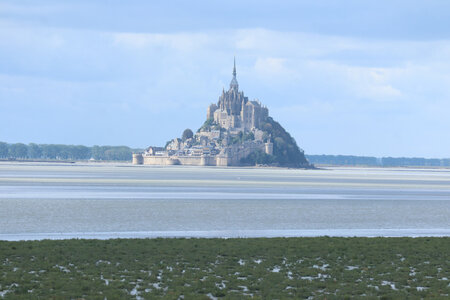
(258, 158)
(209, 125)
(187, 134)
(242, 137)
(286, 153)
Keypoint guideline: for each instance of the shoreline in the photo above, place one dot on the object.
(231, 234)
(262, 167)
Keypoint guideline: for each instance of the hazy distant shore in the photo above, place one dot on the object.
(79, 153)
(128, 163)
(226, 234)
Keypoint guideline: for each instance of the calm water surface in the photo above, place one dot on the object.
(117, 200)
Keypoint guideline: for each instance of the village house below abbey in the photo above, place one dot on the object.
(233, 131)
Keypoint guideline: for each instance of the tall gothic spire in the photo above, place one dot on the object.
(234, 84)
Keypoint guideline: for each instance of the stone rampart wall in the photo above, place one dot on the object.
(234, 158)
(180, 160)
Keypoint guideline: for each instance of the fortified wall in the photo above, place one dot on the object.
(231, 157)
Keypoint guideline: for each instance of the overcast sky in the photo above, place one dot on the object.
(343, 77)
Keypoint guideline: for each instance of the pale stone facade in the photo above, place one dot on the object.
(235, 111)
(232, 132)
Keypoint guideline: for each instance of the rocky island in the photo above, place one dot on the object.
(237, 132)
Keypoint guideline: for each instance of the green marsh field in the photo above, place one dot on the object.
(261, 268)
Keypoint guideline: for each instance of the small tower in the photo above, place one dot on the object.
(138, 159)
(268, 149)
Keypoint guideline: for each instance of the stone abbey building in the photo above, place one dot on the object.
(235, 112)
(231, 132)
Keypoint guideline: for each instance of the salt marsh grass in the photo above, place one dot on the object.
(322, 268)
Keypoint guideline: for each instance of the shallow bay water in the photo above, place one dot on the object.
(39, 200)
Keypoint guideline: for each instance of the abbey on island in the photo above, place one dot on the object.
(237, 131)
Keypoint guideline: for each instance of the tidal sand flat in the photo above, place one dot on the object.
(42, 200)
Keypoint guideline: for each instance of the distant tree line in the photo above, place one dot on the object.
(282, 151)
(64, 152)
(350, 160)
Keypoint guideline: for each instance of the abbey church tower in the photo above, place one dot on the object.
(234, 111)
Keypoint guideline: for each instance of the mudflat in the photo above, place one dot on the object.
(44, 200)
